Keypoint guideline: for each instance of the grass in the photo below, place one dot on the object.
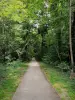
(60, 81)
(10, 77)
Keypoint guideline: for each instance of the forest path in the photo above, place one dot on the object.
(34, 86)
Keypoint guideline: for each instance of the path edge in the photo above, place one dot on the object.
(21, 78)
(42, 70)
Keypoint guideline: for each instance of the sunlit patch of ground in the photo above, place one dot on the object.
(62, 91)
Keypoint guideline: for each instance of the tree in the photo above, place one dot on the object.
(70, 36)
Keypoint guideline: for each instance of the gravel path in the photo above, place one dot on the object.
(34, 86)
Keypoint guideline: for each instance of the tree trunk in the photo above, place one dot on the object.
(70, 37)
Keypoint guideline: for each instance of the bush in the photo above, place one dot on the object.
(51, 56)
(63, 66)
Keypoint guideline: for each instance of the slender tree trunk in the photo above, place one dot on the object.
(59, 43)
(70, 37)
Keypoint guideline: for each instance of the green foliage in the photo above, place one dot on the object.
(63, 66)
(51, 55)
(39, 30)
(33, 28)
(13, 9)
(56, 38)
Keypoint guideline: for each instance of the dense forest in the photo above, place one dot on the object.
(44, 29)
(37, 29)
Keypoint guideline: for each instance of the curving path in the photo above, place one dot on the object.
(34, 86)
